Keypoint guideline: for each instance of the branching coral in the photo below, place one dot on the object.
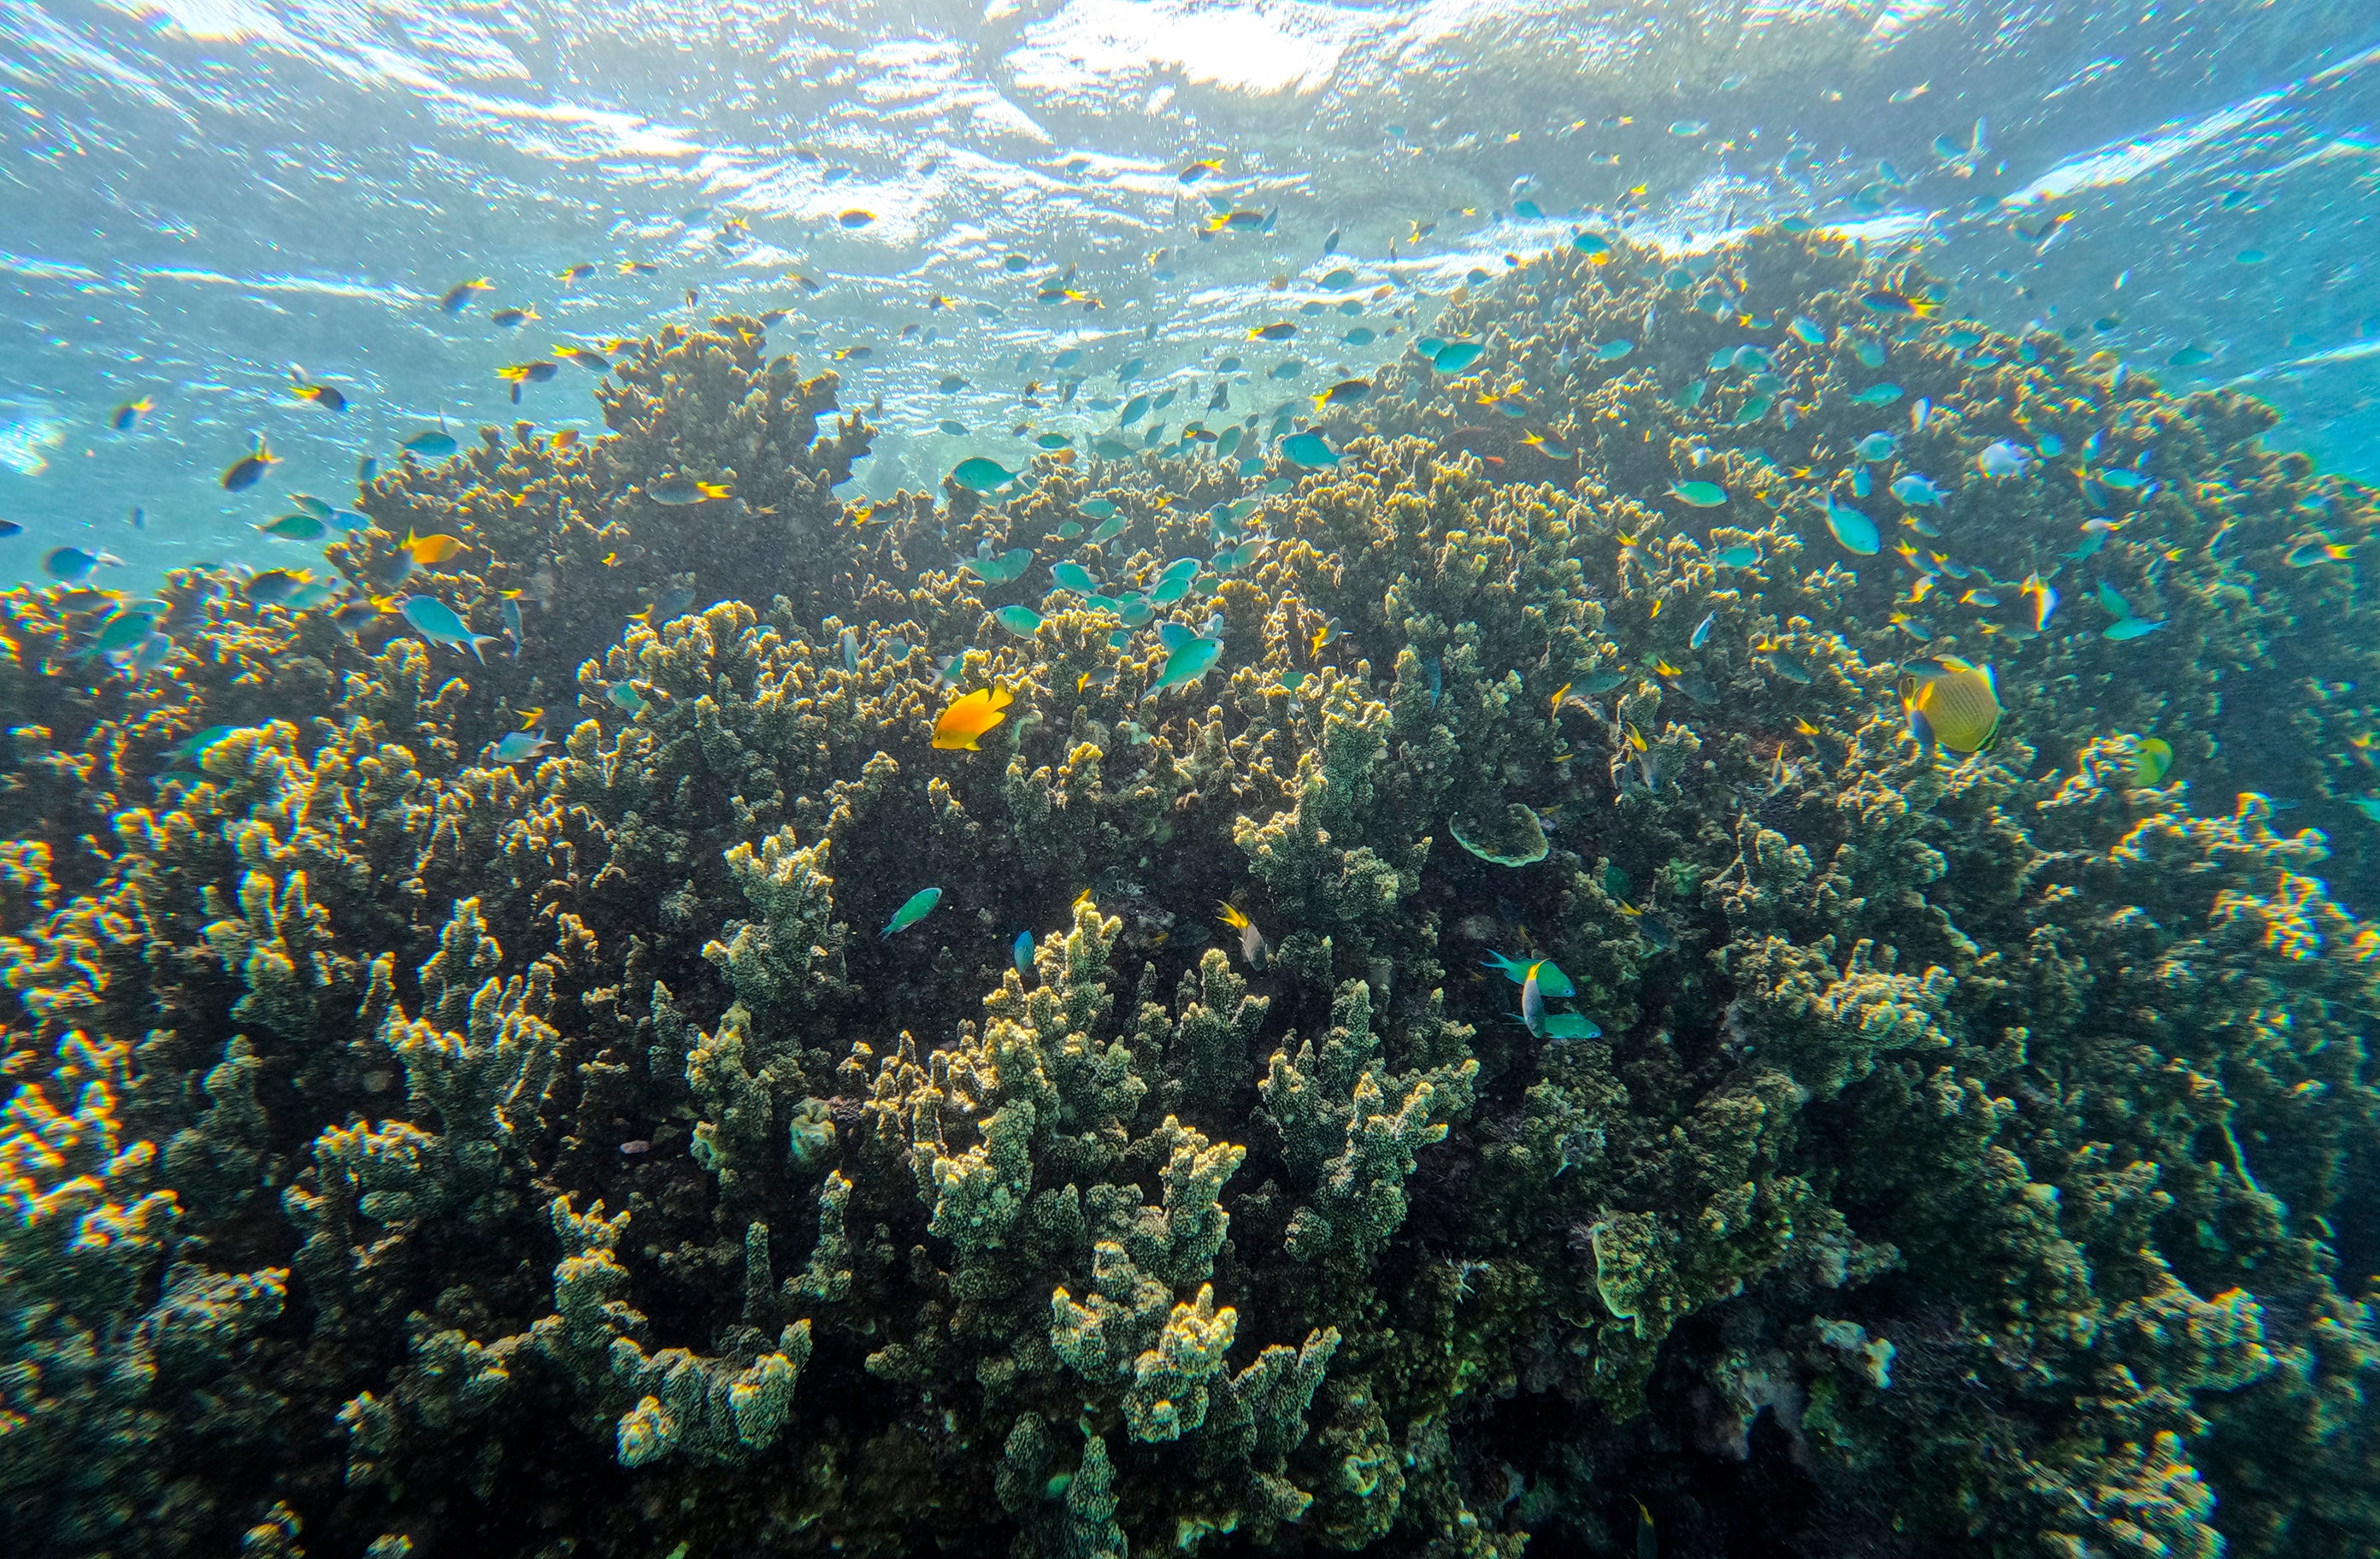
(1966, 1156)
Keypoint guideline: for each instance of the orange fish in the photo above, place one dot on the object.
(969, 716)
(429, 551)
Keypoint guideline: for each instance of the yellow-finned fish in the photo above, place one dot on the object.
(1252, 942)
(2040, 598)
(1952, 702)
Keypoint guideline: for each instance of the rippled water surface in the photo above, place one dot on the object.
(202, 196)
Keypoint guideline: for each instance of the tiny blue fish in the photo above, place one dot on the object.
(1188, 663)
(920, 904)
(148, 654)
(1917, 491)
(436, 622)
(625, 695)
(1309, 450)
(516, 746)
(1550, 979)
(2095, 536)
(1854, 530)
(1702, 633)
(201, 743)
(1022, 951)
(72, 565)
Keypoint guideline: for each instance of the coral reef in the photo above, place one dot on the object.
(409, 1150)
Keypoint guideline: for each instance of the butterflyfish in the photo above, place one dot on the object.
(1951, 703)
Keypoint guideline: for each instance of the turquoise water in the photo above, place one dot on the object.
(1131, 777)
(201, 196)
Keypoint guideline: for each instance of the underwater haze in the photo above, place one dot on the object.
(1123, 777)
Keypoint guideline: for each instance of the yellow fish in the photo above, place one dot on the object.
(969, 715)
(2152, 763)
(1951, 702)
(429, 551)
